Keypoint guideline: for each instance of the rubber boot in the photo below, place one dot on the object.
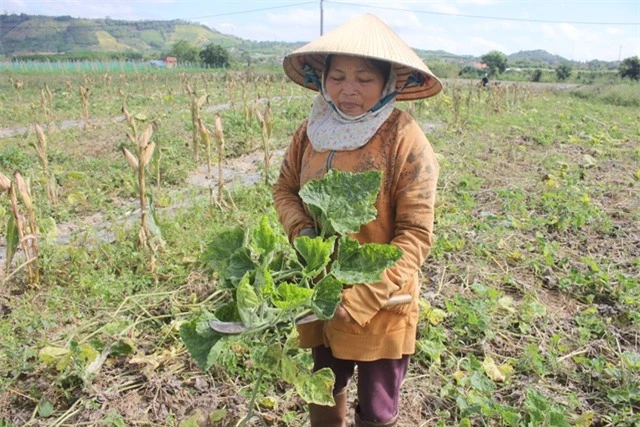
(330, 416)
(359, 422)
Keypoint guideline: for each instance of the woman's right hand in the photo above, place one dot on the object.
(343, 315)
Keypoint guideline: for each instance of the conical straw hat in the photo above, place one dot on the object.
(365, 36)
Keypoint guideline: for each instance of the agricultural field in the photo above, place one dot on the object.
(530, 298)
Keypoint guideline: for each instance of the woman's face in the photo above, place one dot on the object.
(353, 85)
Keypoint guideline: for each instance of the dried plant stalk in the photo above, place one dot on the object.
(205, 136)
(49, 180)
(267, 127)
(196, 104)
(41, 148)
(28, 242)
(46, 101)
(84, 97)
(219, 135)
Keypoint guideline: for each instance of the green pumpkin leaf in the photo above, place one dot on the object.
(263, 238)
(201, 346)
(267, 357)
(88, 353)
(264, 282)
(289, 369)
(239, 265)
(316, 387)
(315, 252)
(289, 296)
(228, 312)
(217, 254)
(192, 421)
(343, 201)
(363, 263)
(45, 409)
(248, 302)
(50, 354)
(326, 297)
(12, 239)
(122, 347)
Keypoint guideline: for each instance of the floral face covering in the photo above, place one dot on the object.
(329, 129)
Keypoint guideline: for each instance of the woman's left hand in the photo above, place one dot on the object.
(343, 315)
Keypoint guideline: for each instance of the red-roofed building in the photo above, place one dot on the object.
(170, 61)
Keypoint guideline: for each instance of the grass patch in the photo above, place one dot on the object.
(627, 95)
(530, 299)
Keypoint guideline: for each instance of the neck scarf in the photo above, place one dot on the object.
(329, 129)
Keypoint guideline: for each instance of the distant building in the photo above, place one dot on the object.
(170, 61)
(480, 65)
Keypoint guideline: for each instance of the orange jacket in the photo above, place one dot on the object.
(405, 208)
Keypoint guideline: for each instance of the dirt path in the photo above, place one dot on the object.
(67, 124)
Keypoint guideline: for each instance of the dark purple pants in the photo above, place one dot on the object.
(378, 382)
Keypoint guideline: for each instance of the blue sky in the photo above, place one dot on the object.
(578, 30)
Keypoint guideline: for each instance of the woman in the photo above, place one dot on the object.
(360, 69)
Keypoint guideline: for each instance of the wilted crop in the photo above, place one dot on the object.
(17, 234)
(84, 98)
(196, 104)
(49, 180)
(138, 163)
(266, 125)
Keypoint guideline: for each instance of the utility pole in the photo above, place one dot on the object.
(321, 18)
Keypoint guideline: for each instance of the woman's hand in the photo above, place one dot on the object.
(343, 315)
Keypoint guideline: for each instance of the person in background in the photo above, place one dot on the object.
(485, 80)
(360, 69)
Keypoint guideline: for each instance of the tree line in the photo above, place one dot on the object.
(496, 63)
(211, 55)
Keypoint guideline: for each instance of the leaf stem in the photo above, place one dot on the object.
(254, 393)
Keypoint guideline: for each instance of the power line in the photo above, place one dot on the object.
(241, 12)
(498, 18)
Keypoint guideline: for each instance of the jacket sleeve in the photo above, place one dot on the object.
(416, 176)
(288, 204)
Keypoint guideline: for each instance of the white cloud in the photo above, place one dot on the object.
(480, 2)
(496, 25)
(614, 31)
(549, 31)
(479, 42)
(444, 8)
(569, 31)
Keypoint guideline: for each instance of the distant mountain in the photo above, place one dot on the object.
(442, 55)
(536, 57)
(27, 35)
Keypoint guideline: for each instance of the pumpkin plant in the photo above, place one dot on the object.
(271, 283)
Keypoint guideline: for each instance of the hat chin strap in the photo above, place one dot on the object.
(414, 79)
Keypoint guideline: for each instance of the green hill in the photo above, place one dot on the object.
(22, 35)
(538, 57)
(30, 36)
